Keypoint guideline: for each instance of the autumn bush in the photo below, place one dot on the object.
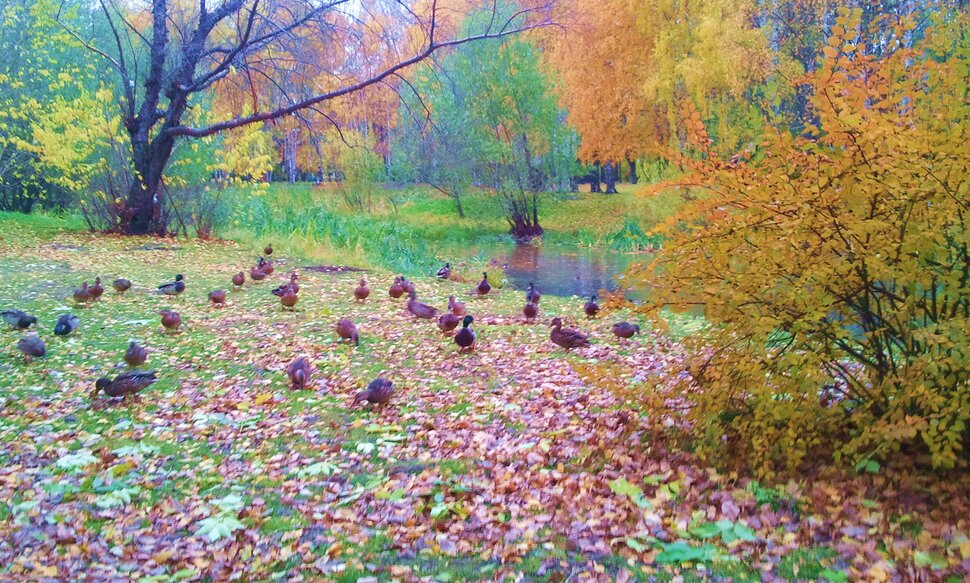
(834, 266)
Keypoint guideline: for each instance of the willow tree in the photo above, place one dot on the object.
(167, 59)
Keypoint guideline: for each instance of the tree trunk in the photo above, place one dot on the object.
(609, 177)
(594, 178)
(633, 171)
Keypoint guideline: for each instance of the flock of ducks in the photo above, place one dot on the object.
(298, 371)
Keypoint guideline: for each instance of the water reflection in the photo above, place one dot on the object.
(565, 271)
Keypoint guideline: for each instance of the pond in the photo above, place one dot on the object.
(565, 271)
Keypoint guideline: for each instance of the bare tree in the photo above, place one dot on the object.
(165, 69)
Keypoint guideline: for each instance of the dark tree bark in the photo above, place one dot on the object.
(609, 177)
(594, 178)
(633, 171)
(185, 58)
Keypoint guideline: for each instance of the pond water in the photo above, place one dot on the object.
(565, 271)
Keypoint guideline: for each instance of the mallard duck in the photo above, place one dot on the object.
(268, 249)
(173, 288)
(408, 286)
(82, 294)
(379, 392)
(289, 299)
(567, 338)
(591, 307)
(278, 291)
(445, 272)
(293, 285)
(136, 355)
(121, 285)
(447, 322)
(532, 294)
(127, 383)
(265, 266)
(18, 319)
(32, 347)
(171, 320)
(299, 373)
(362, 291)
(66, 324)
(97, 289)
(457, 308)
(530, 311)
(465, 338)
(257, 274)
(218, 298)
(625, 329)
(396, 290)
(238, 280)
(484, 287)
(419, 310)
(347, 330)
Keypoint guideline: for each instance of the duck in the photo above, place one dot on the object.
(278, 291)
(396, 290)
(18, 319)
(82, 294)
(408, 286)
(299, 373)
(136, 355)
(121, 285)
(568, 337)
(530, 311)
(484, 287)
(32, 347)
(268, 249)
(218, 298)
(293, 285)
(457, 308)
(532, 294)
(347, 330)
(171, 320)
(445, 272)
(289, 299)
(447, 322)
(265, 266)
(173, 288)
(97, 289)
(66, 324)
(362, 291)
(591, 307)
(238, 280)
(257, 274)
(419, 310)
(625, 329)
(379, 392)
(127, 383)
(465, 338)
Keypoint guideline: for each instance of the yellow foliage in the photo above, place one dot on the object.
(834, 266)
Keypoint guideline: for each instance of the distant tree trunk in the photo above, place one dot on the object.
(609, 177)
(633, 171)
(574, 183)
(594, 178)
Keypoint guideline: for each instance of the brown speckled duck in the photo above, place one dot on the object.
(396, 290)
(591, 307)
(266, 266)
(530, 311)
(218, 298)
(97, 289)
(238, 280)
(127, 383)
(268, 249)
(457, 308)
(288, 299)
(447, 322)
(121, 285)
(171, 320)
(378, 392)
(257, 274)
(568, 337)
(347, 330)
(625, 329)
(407, 285)
(82, 294)
(483, 286)
(419, 310)
(362, 291)
(136, 355)
(299, 373)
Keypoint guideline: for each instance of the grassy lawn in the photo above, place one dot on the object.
(513, 461)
